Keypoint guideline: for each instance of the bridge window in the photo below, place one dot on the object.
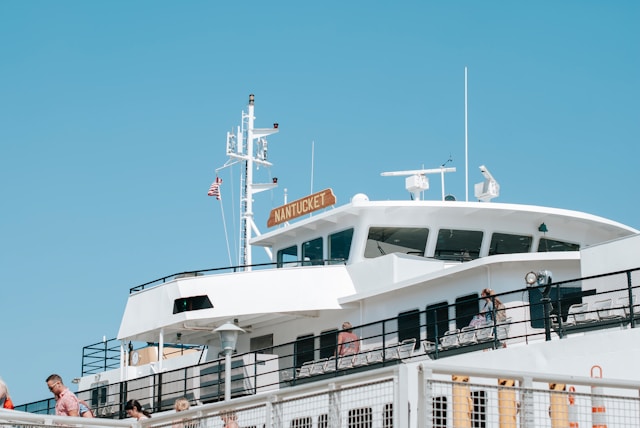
(304, 349)
(186, 304)
(312, 252)
(340, 246)
(387, 240)
(437, 320)
(328, 343)
(460, 245)
(409, 325)
(287, 255)
(466, 308)
(504, 243)
(549, 245)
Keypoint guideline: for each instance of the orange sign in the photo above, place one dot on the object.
(303, 206)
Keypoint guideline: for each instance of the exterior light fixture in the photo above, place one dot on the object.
(228, 338)
(543, 228)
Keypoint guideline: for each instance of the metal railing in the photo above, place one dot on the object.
(419, 394)
(281, 366)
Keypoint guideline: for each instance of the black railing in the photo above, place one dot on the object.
(380, 342)
(239, 268)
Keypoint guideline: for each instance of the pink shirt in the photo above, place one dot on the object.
(66, 402)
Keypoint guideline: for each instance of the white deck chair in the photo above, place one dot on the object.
(450, 339)
(624, 303)
(428, 346)
(406, 348)
(360, 359)
(305, 370)
(318, 366)
(375, 356)
(391, 352)
(329, 366)
(467, 336)
(484, 334)
(345, 362)
(579, 314)
(605, 310)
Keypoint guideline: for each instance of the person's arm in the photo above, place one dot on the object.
(357, 344)
(340, 342)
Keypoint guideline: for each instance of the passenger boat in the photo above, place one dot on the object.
(407, 274)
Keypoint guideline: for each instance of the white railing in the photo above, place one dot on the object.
(422, 395)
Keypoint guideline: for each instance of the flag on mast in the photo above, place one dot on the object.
(214, 190)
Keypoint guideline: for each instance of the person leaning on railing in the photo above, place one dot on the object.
(5, 400)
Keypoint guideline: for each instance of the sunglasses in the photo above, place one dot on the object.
(53, 385)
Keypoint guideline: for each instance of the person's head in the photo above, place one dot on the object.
(228, 416)
(181, 404)
(487, 293)
(134, 409)
(55, 385)
(347, 326)
(4, 392)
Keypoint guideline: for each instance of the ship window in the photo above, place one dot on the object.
(387, 416)
(387, 240)
(460, 245)
(328, 343)
(301, 422)
(504, 243)
(437, 320)
(466, 307)
(360, 418)
(550, 245)
(261, 344)
(312, 252)
(186, 304)
(409, 325)
(440, 412)
(323, 421)
(99, 393)
(479, 414)
(304, 349)
(287, 255)
(340, 246)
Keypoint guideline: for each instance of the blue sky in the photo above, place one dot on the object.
(113, 119)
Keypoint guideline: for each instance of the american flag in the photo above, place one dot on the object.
(214, 190)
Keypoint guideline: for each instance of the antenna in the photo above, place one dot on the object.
(489, 188)
(466, 141)
(417, 181)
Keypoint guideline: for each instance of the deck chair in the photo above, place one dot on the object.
(329, 366)
(406, 348)
(467, 336)
(626, 307)
(428, 346)
(391, 352)
(360, 359)
(605, 310)
(318, 366)
(579, 314)
(484, 334)
(305, 369)
(345, 362)
(375, 356)
(450, 339)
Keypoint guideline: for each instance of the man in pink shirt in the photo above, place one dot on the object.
(66, 402)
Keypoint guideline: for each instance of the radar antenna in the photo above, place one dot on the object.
(417, 181)
(489, 188)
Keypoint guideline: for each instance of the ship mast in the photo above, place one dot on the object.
(249, 147)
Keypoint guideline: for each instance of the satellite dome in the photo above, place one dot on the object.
(360, 197)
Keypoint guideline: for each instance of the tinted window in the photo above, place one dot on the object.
(287, 255)
(461, 245)
(340, 245)
(387, 240)
(312, 252)
(549, 245)
(503, 243)
(437, 320)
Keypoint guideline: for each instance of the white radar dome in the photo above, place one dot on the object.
(360, 197)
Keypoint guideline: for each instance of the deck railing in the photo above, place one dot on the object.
(419, 394)
(411, 336)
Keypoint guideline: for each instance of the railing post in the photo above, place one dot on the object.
(425, 397)
(527, 413)
(335, 408)
(631, 302)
